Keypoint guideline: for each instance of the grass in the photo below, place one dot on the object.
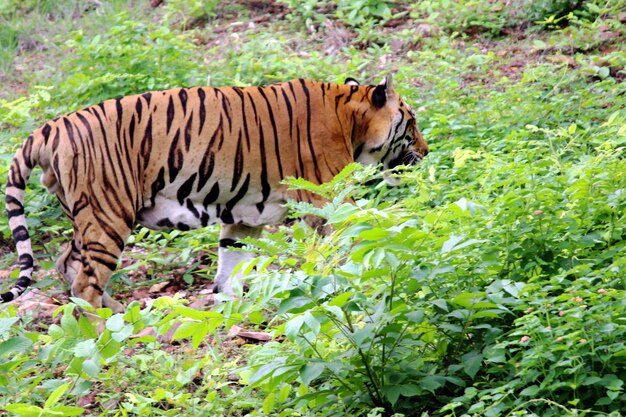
(491, 282)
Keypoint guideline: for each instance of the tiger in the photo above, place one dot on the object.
(186, 158)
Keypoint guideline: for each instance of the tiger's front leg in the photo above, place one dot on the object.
(228, 259)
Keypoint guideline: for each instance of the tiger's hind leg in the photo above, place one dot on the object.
(69, 265)
(228, 259)
(99, 238)
(69, 262)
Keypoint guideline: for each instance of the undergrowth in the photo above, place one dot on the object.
(489, 283)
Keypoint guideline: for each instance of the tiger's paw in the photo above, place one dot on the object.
(109, 302)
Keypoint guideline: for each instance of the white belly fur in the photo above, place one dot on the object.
(245, 212)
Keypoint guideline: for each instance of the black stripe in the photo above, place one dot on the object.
(66, 209)
(7, 297)
(96, 286)
(204, 219)
(157, 185)
(124, 174)
(265, 185)
(11, 183)
(240, 194)
(15, 212)
(69, 126)
(20, 234)
(293, 93)
(182, 94)
(45, 131)
(289, 113)
(147, 96)
(218, 130)
(357, 151)
(111, 232)
(108, 264)
(187, 132)
(15, 176)
(146, 143)
(175, 158)
(318, 175)
(26, 261)
(87, 126)
(337, 100)
(185, 189)
(12, 200)
(55, 168)
(90, 247)
(300, 161)
(165, 223)
(202, 96)
(256, 115)
(114, 209)
(273, 122)
(232, 243)
(192, 208)
(273, 88)
(27, 150)
(118, 107)
(393, 140)
(170, 114)
(206, 170)
(98, 247)
(243, 116)
(238, 164)
(353, 89)
(131, 131)
(70, 135)
(19, 211)
(105, 144)
(227, 215)
(56, 139)
(225, 106)
(23, 282)
(138, 109)
(80, 205)
(212, 195)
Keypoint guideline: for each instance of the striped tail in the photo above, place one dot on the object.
(19, 173)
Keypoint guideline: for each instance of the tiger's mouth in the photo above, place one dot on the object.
(407, 157)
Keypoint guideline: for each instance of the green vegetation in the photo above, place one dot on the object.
(491, 282)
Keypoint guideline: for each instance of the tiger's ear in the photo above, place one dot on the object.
(383, 92)
(351, 81)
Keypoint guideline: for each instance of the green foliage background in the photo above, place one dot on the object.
(489, 283)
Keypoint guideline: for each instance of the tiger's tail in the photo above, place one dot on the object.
(21, 167)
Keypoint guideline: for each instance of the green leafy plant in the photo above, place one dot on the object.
(153, 59)
(190, 13)
(357, 13)
(50, 408)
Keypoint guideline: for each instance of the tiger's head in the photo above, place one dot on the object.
(390, 135)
